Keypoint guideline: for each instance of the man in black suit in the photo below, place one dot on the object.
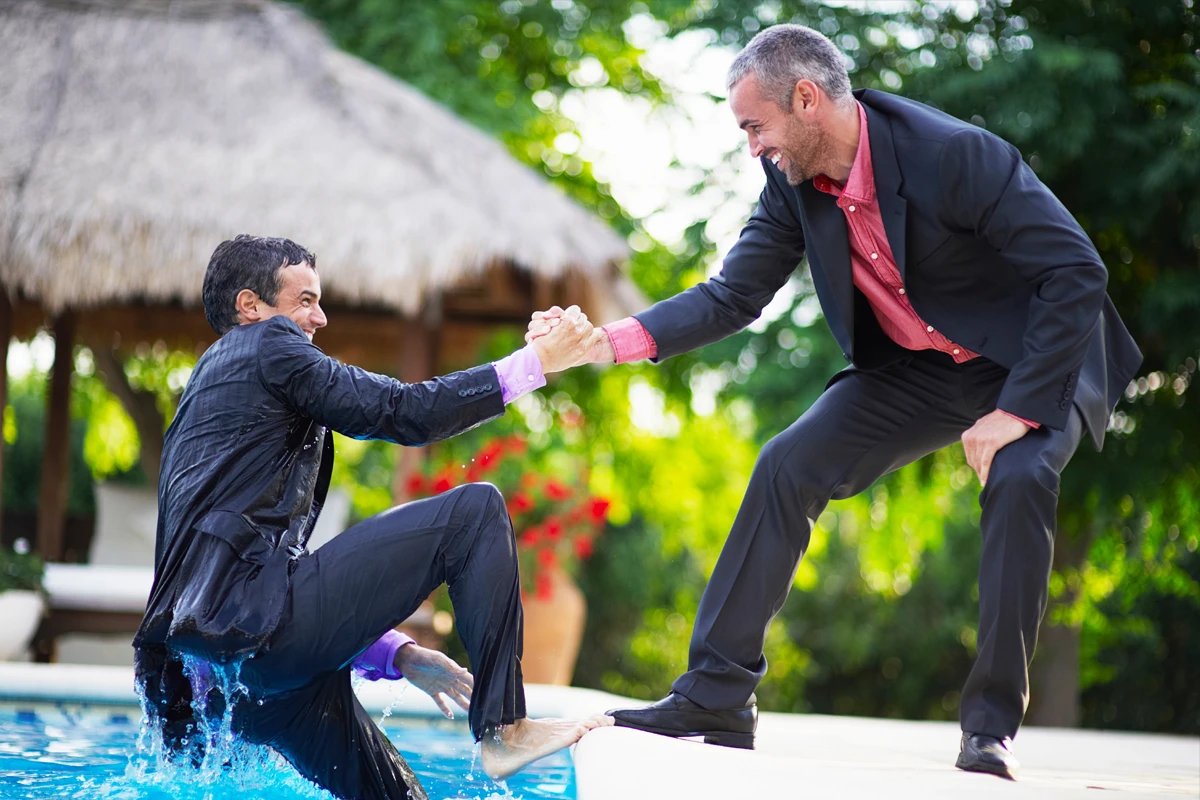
(246, 628)
(970, 305)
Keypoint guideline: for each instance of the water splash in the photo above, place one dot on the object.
(396, 688)
(217, 763)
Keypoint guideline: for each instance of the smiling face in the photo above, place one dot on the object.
(299, 299)
(796, 141)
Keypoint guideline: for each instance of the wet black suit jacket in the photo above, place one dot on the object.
(246, 465)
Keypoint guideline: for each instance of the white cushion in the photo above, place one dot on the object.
(96, 587)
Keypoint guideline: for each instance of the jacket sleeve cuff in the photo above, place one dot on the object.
(379, 660)
(630, 340)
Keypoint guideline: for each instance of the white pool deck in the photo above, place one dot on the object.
(798, 755)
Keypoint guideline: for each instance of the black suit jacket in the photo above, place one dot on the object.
(988, 255)
(246, 465)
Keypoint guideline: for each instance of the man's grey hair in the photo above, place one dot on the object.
(781, 55)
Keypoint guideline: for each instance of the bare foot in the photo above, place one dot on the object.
(510, 748)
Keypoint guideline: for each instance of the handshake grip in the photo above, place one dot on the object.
(564, 339)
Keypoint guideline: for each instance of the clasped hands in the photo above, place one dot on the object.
(564, 339)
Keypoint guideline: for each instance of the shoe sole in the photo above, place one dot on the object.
(1001, 771)
(734, 739)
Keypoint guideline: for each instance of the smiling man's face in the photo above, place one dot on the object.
(299, 300)
(795, 141)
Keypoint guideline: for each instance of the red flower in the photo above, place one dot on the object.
(599, 508)
(416, 484)
(557, 491)
(554, 529)
(547, 559)
(474, 473)
(443, 485)
(521, 502)
(489, 456)
(530, 537)
(583, 547)
(545, 589)
(514, 444)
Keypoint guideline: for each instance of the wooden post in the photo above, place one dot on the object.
(52, 505)
(418, 362)
(6, 314)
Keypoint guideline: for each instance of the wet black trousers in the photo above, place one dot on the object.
(349, 593)
(867, 424)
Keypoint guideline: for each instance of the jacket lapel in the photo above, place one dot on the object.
(828, 242)
(892, 207)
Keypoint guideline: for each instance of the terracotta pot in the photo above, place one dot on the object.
(20, 613)
(553, 632)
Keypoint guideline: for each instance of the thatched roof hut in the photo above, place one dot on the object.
(137, 134)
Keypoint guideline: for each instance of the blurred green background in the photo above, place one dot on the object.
(1102, 98)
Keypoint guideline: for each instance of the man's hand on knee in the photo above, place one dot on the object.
(986, 438)
(436, 675)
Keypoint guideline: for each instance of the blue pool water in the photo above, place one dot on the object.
(94, 754)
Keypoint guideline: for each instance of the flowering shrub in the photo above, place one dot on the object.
(555, 518)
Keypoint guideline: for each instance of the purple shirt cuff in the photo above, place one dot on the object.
(519, 374)
(379, 660)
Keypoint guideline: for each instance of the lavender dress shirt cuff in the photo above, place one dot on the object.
(379, 660)
(519, 374)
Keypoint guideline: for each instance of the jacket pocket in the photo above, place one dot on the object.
(239, 533)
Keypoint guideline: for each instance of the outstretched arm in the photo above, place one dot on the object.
(365, 405)
(769, 249)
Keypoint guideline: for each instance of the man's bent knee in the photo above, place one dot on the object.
(792, 469)
(1014, 479)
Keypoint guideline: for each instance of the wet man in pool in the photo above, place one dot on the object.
(245, 469)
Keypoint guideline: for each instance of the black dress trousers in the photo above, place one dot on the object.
(865, 425)
(350, 592)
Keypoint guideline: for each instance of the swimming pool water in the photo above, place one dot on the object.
(94, 755)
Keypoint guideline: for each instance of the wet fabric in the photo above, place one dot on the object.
(373, 576)
(343, 597)
(246, 466)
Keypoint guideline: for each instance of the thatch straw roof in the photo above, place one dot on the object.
(135, 136)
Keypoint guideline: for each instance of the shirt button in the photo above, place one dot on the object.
(956, 351)
(874, 255)
(531, 378)
(901, 291)
(929, 328)
(851, 208)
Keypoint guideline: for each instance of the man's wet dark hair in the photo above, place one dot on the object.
(247, 262)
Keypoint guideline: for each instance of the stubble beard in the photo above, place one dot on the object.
(807, 150)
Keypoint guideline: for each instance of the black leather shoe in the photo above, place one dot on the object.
(677, 716)
(982, 753)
